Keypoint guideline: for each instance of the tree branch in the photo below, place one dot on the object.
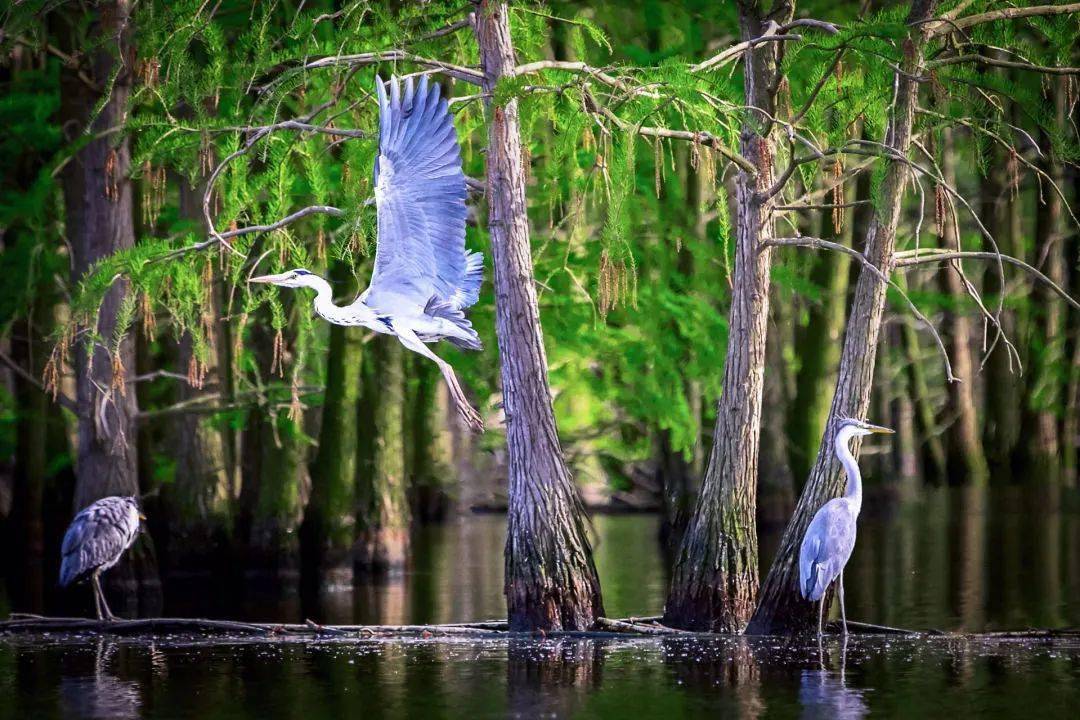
(1012, 13)
(911, 258)
(819, 244)
(18, 369)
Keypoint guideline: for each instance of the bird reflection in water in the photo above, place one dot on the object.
(102, 694)
(824, 693)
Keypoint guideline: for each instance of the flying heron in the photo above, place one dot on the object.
(94, 542)
(829, 540)
(424, 277)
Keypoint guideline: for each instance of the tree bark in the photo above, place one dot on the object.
(551, 580)
(714, 580)
(1047, 341)
(329, 526)
(383, 519)
(98, 223)
(965, 459)
(1002, 411)
(781, 608)
(819, 340)
(199, 500)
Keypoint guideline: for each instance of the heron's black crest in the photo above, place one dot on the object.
(301, 272)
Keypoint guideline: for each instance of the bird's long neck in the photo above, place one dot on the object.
(356, 313)
(851, 467)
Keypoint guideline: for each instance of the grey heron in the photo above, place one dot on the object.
(424, 277)
(94, 542)
(830, 538)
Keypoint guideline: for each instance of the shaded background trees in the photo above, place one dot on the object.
(264, 440)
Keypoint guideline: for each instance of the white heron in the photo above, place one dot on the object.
(424, 277)
(829, 540)
(95, 541)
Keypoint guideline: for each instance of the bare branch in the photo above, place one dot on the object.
(701, 138)
(911, 258)
(984, 60)
(18, 369)
(819, 244)
(221, 237)
(458, 72)
(1011, 13)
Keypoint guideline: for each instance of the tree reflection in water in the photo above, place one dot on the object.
(552, 678)
(824, 693)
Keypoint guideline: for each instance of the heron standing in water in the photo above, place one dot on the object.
(829, 540)
(424, 277)
(94, 542)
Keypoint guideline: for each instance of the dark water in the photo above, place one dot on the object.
(532, 679)
(961, 559)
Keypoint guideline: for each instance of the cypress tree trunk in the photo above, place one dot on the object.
(273, 561)
(99, 222)
(781, 608)
(966, 461)
(551, 580)
(819, 340)
(329, 525)
(1002, 411)
(383, 521)
(776, 481)
(199, 501)
(1047, 343)
(714, 580)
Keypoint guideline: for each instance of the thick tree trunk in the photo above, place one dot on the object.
(819, 340)
(383, 520)
(776, 481)
(273, 561)
(199, 501)
(99, 222)
(428, 448)
(965, 459)
(714, 581)
(1047, 342)
(551, 580)
(1002, 409)
(329, 526)
(781, 608)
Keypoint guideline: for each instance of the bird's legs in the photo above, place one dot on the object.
(820, 616)
(97, 597)
(467, 412)
(100, 597)
(840, 592)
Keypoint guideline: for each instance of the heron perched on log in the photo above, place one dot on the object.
(94, 542)
(829, 540)
(424, 277)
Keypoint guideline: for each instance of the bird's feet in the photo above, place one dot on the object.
(470, 416)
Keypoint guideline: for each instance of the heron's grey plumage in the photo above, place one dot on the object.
(420, 197)
(96, 539)
(830, 537)
(424, 277)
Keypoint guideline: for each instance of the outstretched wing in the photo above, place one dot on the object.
(420, 196)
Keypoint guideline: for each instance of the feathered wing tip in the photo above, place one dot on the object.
(469, 292)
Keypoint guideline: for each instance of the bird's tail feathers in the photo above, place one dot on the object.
(462, 334)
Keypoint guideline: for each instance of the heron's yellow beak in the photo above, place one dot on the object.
(271, 279)
(880, 430)
(142, 517)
